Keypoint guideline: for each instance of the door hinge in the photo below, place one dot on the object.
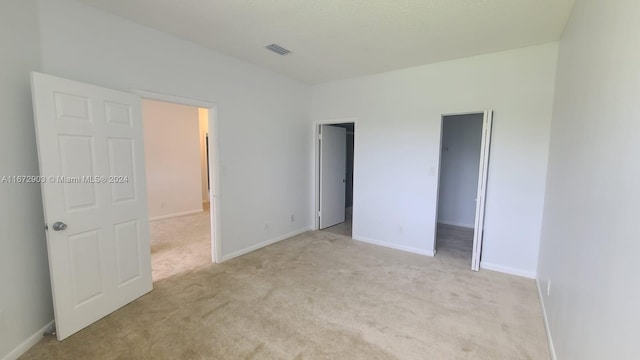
(319, 136)
(319, 214)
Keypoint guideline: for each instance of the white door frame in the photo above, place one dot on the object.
(483, 171)
(316, 168)
(214, 161)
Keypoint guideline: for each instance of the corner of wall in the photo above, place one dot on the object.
(547, 329)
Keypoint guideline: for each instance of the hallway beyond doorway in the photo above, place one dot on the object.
(180, 244)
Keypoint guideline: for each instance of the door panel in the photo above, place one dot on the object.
(72, 108)
(483, 174)
(127, 251)
(121, 161)
(118, 114)
(86, 266)
(333, 174)
(90, 152)
(76, 160)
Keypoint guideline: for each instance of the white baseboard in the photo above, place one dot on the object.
(552, 349)
(393, 246)
(453, 223)
(508, 270)
(163, 217)
(264, 243)
(27, 344)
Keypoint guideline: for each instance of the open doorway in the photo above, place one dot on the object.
(464, 156)
(335, 164)
(178, 186)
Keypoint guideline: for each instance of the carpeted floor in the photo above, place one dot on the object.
(321, 295)
(180, 244)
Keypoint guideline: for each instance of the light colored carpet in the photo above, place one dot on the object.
(321, 296)
(180, 244)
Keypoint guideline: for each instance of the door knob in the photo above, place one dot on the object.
(59, 226)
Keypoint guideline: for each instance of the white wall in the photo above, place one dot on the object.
(263, 117)
(397, 145)
(589, 248)
(459, 165)
(25, 298)
(172, 158)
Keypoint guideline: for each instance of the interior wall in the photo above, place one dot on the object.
(263, 123)
(397, 148)
(459, 164)
(590, 244)
(172, 158)
(25, 298)
(203, 120)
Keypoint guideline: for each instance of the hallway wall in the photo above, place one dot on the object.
(172, 159)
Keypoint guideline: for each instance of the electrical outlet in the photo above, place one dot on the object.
(548, 287)
(293, 218)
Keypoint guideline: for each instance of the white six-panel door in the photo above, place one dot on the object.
(333, 175)
(92, 166)
(483, 173)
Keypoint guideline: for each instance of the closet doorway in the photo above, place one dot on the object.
(462, 185)
(335, 164)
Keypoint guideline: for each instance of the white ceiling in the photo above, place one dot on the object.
(337, 39)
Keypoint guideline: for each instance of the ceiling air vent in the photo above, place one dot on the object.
(278, 49)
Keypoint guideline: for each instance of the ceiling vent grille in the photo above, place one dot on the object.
(278, 49)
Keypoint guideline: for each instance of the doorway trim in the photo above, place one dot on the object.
(316, 166)
(481, 192)
(214, 161)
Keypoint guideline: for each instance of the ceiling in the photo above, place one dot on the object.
(337, 39)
